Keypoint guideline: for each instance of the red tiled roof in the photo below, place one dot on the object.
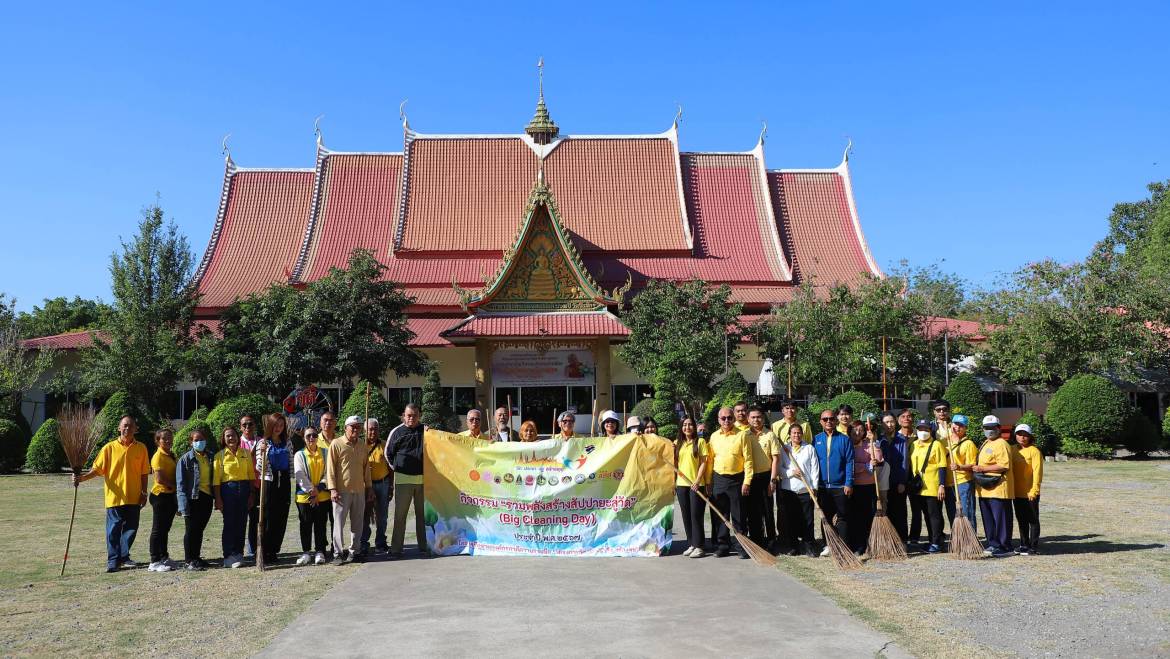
(66, 341)
(441, 296)
(936, 326)
(818, 226)
(258, 233)
(357, 206)
(428, 331)
(540, 324)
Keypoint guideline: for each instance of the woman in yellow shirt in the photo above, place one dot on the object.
(162, 500)
(927, 486)
(233, 484)
(690, 454)
(313, 506)
(1027, 473)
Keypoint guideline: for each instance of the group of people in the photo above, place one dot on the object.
(761, 478)
(337, 482)
(764, 479)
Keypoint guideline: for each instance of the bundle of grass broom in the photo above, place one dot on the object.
(884, 542)
(78, 439)
(838, 548)
(965, 543)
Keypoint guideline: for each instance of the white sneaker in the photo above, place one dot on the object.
(153, 567)
(320, 559)
(826, 552)
(163, 566)
(698, 553)
(688, 552)
(236, 562)
(304, 559)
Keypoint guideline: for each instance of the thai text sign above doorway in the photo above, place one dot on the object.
(532, 367)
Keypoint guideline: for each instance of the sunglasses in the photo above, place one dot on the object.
(726, 418)
(826, 418)
(247, 425)
(567, 420)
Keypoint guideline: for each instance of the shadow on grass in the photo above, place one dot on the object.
(1074, 544)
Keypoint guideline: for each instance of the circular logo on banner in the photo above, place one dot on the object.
(528, 480)
(540, 480)
(593, 476)
(473, 475)
(566, 479)
(508, 478)
(580, 478)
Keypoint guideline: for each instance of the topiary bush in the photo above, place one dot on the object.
(117, 406)
(228, 413)
(436, 413)
(1083, 448)
(662, 406)
(966, 397)
(860, 401)
(380, 408)
(1046, 438)
(197, 421)
(45, 455)
(13, 446)
(732, 389)
(643, 408)
(1139, 434)
(1090, 408)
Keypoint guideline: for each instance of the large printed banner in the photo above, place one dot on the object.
(582, 497)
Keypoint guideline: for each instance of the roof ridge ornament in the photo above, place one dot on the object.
(317, 131)
(677, 115)
(542, 129)
(402, 115)
(848, 148)
(763, 132)
(227, 152)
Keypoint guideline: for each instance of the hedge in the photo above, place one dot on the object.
(228, 413)
(966, 397)
(1166, 430)
(731, 390)
(13, 446)
(197, 421)
(436, 413)
(1083, 448)
(1090, 408)
(1046, 439)
(45, 455)
(642, 408)
(380, 408)
(1139, 434)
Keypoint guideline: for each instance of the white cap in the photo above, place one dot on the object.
(1025, 428)
(632, 422)
(373, 420)
(610, 415)
(354, 420)
(990, 420)
(567, 414)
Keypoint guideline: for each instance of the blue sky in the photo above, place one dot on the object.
(987, 137)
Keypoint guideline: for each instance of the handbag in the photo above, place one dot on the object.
(914, 481)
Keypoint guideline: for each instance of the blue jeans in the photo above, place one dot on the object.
(235, 516)
(121, 527)
(379, 512)
(966, 493)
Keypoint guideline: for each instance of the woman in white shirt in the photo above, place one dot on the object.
(798, 459)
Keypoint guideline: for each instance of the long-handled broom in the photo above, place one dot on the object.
(260, 518)
(757, 553)
(884, 542)
(78, 439)
(838, 548)
(964, 541)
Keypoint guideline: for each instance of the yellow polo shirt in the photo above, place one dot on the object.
(965, 453)
(1027, 471)
(323, 443)
(233, 466)
(764, 448)
(782, 427)
(204, 474)
(122, 466)
(927, 461)
(997, 452)
(732, 452)
(379, 468)
(687, 464)
(741, 426)
(166, 464)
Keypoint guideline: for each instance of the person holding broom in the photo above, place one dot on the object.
(898, 441)
(350, 488)
(960, 486)
(732, 465)
(124, 465)
(796, 505)
(193, 492)
(766, 458)
(996, 488)
(835, 455)
(278, 475)
(867, 458)
(382, 482)
(312, 498)
(927, 486)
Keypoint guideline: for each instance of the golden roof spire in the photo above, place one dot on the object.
(542, 129)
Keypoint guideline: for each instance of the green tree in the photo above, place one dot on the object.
(120, 404)
(687, 328)
(60, 315)
(45, 455)
(20, 368)
(1090, 408)
(966, 397)
(13, 446)
(435, 410)
(350, 323)
(941, 293)
(380, 408)
(149, 329)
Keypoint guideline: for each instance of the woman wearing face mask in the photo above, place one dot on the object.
(927, 486)
(193, 490)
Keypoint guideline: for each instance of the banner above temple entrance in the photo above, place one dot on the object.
(518, 368)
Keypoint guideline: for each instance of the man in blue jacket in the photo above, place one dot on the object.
(835, 453)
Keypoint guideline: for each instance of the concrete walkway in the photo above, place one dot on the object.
(631, 607)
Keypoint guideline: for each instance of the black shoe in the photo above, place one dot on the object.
(722, 552)
(743, 555)
(394, 555)
(792, 552)
(110, 569)
(809, 551)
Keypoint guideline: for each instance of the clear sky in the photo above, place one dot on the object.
(987, 136)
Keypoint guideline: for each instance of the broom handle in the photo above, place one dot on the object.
(812, 494)
(702, 496)
(260, 516)
(69, 538)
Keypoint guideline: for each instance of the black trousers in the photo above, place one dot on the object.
(312, 525)
(690, 508)
(757, 510)
(771, 509)
(715, 521)
(862, 505)
(277, 496)
(896, 510)
(165, 507)
(835, 505)
(198, 514)
(729, 500)
(931, 508)
(1028, 516)
(253, 524)
(796, 511)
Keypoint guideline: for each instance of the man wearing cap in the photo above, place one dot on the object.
(566, 422)
(475, 425)
(404, 452)
(503, 431)
(731, 460)
(348, 477)
(835, 454)
(963, 455)
(1028, 470)
(610, 421)
(380, 478)
(996, 488)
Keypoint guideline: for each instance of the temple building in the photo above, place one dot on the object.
(518, 250)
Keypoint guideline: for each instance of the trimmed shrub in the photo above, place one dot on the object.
(860, 401)
(730, 391)
(228, 413)
(643, 408)
(662, 406)
(966, 397)
(436, 413)
(1139, 434)
(1083, 448)
(198, 420)
(1166, 430)
(45, 455)
(117, 406)
(13, 446)
(1046, 439)
(1090, 408)
(380, 408)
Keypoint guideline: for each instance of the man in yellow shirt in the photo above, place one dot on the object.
(993, 479)
(380, 479)
(741, 415)
(766, 458)
(731, 459)
(1028, 472)
(475, 425)
(124, 464)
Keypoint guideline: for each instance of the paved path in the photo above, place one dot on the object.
(631, 607)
